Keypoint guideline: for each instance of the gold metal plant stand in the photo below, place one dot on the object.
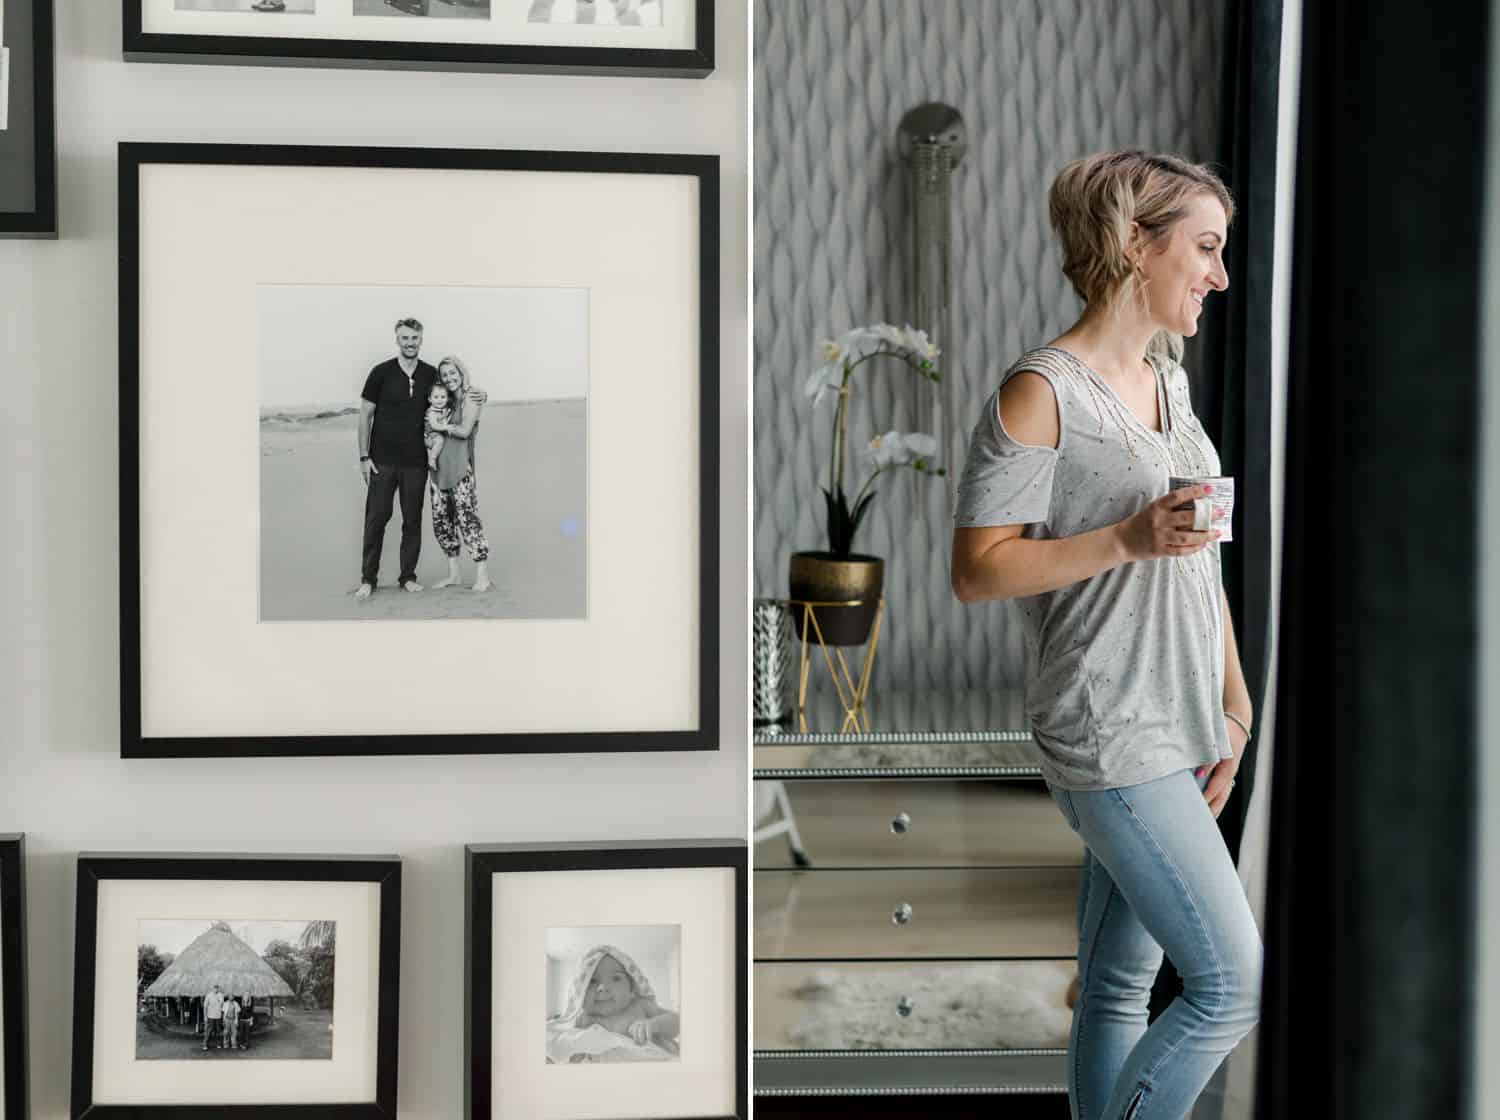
(852, 694)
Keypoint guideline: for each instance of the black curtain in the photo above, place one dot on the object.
(1231, 369)
(1370, 922)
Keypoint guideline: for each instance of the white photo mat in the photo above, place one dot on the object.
(508, 25)
(702, 1082)
(209, 234)
(349, 1077)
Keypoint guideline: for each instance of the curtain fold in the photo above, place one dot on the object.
(1370, 908)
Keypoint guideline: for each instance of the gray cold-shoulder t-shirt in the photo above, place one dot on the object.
(1124, 671)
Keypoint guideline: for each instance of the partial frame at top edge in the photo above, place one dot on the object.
(696, 61)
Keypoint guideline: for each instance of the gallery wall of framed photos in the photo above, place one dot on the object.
(63, 781)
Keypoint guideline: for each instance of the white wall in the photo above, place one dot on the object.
(61, 780)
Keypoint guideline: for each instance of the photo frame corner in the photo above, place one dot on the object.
(14, 1003)
(485, 860)
(37, 216)
(381, 872)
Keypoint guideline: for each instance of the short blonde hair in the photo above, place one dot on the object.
(1092, 202)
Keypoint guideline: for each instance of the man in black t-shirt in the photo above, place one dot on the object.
(392, 456)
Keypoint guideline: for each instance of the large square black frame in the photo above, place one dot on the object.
(13, 1057)
(241, 50)
(34, 19)
(481, 861)
(94, 867)
(704, 168)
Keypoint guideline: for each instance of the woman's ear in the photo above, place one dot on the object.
(1134, 243)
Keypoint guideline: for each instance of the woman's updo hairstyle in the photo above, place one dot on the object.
(1093, 201)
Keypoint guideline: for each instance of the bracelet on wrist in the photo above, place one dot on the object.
(1245, 727)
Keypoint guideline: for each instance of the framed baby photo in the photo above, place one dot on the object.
(607, 981)
(28, 129)
(13, 1049)
(632, 38)
(257, 986)
(418, 451)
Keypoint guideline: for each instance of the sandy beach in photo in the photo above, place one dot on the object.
(439, 9)
(293, 7)
(531, 468)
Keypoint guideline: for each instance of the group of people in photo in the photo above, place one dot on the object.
(417, 428)
(227, 1020)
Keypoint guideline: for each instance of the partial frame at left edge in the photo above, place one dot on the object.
(13, 1006)
(41, 220)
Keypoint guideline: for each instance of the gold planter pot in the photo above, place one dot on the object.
(821, 577)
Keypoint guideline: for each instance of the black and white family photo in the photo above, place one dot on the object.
(294, 7)
(424, 452)
(240, 989)
(613, 994)
(436, 9)
(623, 13)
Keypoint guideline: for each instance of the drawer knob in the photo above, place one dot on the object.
(901, 914)
(904, 1007)
(901, 824)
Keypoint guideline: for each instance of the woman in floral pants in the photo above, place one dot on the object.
(455, 501)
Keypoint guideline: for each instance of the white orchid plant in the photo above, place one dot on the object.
(893, 450)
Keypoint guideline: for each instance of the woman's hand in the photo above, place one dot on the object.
(478, 396)
(640, 1031)
(440, 426)
(1221, 779)
(1159, 530)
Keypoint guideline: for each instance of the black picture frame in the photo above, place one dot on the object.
(30, 142)
(704, 168)
(241, 50)
(96, 867)
(13, 1058)
(482, 861)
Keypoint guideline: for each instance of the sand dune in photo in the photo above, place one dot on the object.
(532, 483)
(438, 9)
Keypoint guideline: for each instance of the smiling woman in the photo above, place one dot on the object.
(1135, 695)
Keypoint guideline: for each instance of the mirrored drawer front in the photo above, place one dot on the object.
(1007, 1005)
(861, 915)
(912, 824)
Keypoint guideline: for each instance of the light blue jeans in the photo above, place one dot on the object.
(1156, 877)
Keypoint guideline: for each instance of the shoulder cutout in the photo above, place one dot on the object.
(1027, 410)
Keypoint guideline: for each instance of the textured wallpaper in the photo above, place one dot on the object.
(1038, 82)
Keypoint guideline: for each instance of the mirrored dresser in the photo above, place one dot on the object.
(915, 902)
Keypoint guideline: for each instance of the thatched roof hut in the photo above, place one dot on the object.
(217, 956)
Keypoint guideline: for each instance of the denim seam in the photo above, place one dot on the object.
(1150, 1074)
(1083, 987)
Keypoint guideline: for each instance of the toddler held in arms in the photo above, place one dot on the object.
(439, 410)
(611, 1015)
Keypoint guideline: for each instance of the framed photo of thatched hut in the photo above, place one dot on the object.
(607, 980)
(460, 489)
(268, 983)
(631, 38)
(13, 1073)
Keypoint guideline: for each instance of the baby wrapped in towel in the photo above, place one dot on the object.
(611, 1015)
